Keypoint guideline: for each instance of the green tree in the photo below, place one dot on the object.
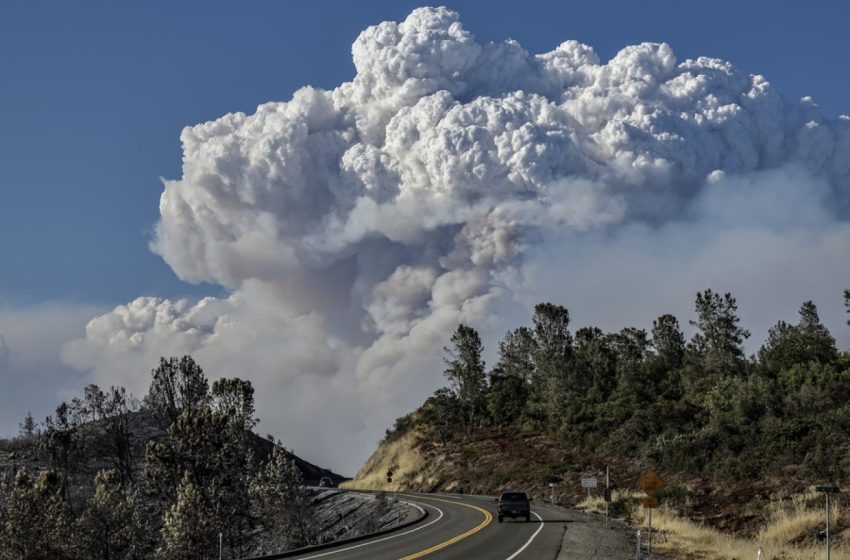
(718, 346)
(815, 338)
(516, 354)
(281, 504)
(190, 530)
(506, 398)
(36, 518)
(553, 350)
(441, 412)
(211, 449)
(595, 363)
(807, 341)
(631, 347)
(111, 527)
(664, 366)
(510, 378)
(466, 375)
(668, 341)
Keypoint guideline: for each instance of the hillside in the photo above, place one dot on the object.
(489, 462)
(142, 428)
(179, 473)
(741, 441)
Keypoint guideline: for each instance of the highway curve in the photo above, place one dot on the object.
(460, 528)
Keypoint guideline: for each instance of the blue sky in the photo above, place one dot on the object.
(93, 98)
(95, 94)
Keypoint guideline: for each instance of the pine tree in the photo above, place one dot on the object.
(510, 377)
(216, 455)
(790, 345)
(631, 347)
(552, 382)
(595, 363)
(189, 531)
(718, 345)
(177, 385)
(280, 504)
(36, 518)
(668, 341)
(466, 374)
(516, 354)
(110, 526)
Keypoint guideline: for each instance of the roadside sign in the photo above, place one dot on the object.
(827, 489)
(651, 483)
(649, 502)
(588, 482)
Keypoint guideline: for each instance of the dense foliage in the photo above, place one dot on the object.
(697, 406)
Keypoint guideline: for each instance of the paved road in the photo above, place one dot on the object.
(460, 528)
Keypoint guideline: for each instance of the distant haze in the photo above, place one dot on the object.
(456, 181)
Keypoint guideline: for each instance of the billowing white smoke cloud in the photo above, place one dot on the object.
(32, 375)
(456, 181)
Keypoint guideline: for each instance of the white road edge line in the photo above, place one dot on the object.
(534, 536)
(385, 538)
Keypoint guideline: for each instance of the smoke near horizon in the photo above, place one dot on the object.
(454, 181)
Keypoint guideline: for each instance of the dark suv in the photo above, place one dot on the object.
(514, 504)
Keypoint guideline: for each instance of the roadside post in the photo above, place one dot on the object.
(650, 483)
(220, 543)
(827, 490)
(637, 548)
(607, 493)
(552, 492)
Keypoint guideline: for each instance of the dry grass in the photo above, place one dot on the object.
(595, 504)
(401, 455)
(794, 521)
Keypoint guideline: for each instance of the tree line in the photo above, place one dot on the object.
(697, 406)
(200, 477)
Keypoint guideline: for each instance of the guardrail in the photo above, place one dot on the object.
(316, 547)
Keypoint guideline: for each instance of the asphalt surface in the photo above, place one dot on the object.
(460, 528)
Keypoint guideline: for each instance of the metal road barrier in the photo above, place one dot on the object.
(307, 549)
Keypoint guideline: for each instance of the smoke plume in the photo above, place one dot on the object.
(453, 181)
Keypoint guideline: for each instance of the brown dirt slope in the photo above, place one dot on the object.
(488, 462)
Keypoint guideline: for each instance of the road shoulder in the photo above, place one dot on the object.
(587, 536)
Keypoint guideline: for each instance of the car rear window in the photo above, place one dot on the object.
(514, 496)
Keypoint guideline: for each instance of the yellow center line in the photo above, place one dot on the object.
(488, 517)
